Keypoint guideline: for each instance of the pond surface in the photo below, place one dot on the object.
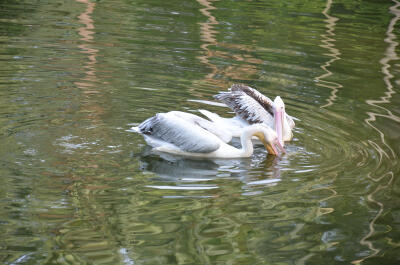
(77, 187)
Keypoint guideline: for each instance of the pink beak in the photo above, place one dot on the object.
(277, 146)
(281, 147)
(279, 125)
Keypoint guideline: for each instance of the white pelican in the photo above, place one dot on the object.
(252, 107)
(170, 133)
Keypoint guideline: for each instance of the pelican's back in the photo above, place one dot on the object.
(180, 133)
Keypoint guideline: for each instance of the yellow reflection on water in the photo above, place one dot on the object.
(86, 32)
(389, 55)
(328, 43)
(207, 35)
(246, 65)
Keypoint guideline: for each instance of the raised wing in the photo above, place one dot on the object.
(248, 104)
(174, 130)
(264, 101)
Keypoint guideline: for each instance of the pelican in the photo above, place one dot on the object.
(252, 107)
(176, 133)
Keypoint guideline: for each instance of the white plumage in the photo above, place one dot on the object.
(190, 135)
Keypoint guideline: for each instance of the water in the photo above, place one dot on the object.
(78, 188)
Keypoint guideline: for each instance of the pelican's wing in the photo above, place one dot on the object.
(290, 121)
(248, 103)
(264, 101)
(233, 125)
(184, 135)
(210, 126)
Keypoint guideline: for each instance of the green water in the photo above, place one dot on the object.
(77, 187)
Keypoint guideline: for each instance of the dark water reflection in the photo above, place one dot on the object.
(77, 187)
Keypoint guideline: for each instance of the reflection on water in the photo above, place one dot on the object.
(390, 55)
(178, 173)
(385, 179)
(90, 79)
(87, 36)
(77, 187)
(328, 43)
(207, 35)
(243, 65)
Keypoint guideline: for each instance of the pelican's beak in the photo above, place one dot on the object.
(274, 148)
(279, 114)
(280, 147)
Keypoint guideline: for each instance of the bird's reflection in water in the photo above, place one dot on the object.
(202, 175)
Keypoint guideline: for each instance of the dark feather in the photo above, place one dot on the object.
(264, 101)
(248, 104)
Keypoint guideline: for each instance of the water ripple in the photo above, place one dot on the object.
(77, 186)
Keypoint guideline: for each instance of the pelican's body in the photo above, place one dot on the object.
(176, 133)
(252, 107)
(215, 128)
(234, 125)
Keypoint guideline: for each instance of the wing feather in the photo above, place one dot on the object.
(248, 104)
(185, 135)
(251, 105)
(264, 101)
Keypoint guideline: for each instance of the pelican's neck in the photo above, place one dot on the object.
(245, 139)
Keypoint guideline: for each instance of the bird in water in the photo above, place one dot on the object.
(187, 134)
(252, 107)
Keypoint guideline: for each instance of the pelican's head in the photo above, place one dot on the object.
(270, 140)
(279, 115)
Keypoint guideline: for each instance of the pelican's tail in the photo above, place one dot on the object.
(135, 129)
